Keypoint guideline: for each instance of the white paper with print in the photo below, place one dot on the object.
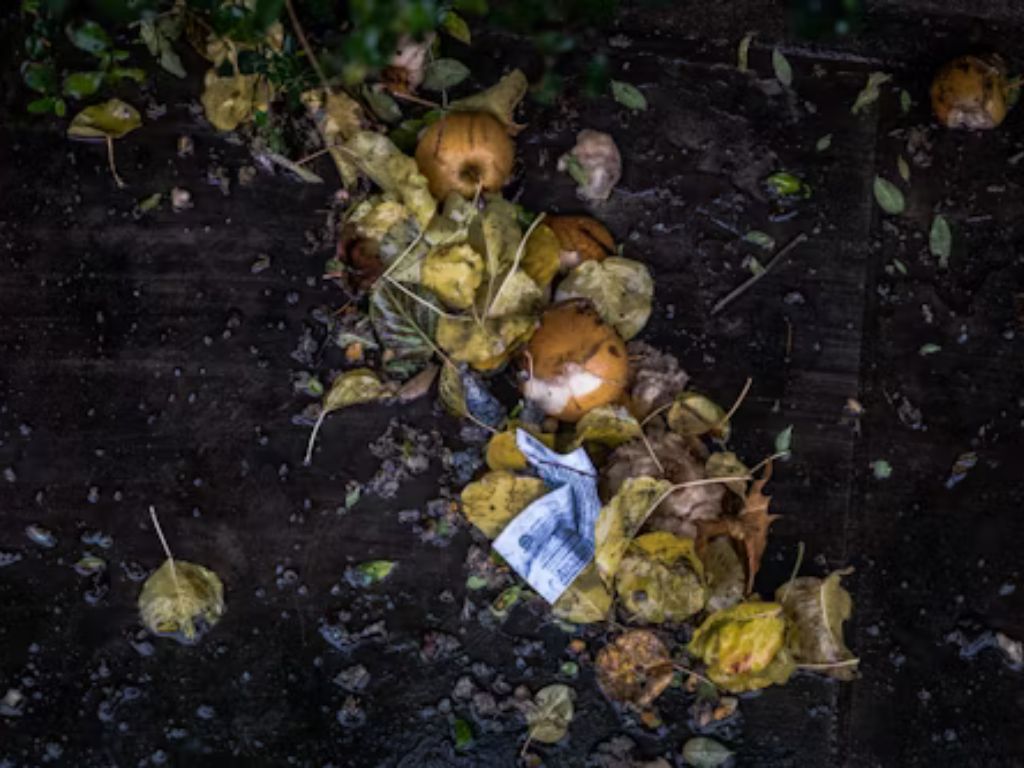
(552, 540)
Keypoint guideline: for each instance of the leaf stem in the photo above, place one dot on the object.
(113, 167)
(515, 264)
(167, 551)
(312, 437)
(831, 665)
(796, 570)
(436, 310)
(736, 405)
(752, 280)
(415, 100)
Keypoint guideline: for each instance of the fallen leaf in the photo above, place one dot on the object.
(621, 291)
(608, 425)
(723, 571)
(496, 234)
(500, 100)
(350, 388)
(456, 26)
(784, 441)
(180, 600)
(370, 572)
(393, 171)
(929, 349)
(484, 345)
(586, 601)
(703, 752)
(516, 294)
(492, 501)
(816, 609)
(881, 469)
(869, 93)
(750, 527)
(744, 647)
(823, 143)
(728, 464)
(453, 273)
(781, 66)
(657, 378)
(661, 579)
(906, 102)
(503, 603)
(634, 668)
(465, 396)
(628, 95)
(503, 453)
(230, 101)
(694, 415)
(540, 258)
(621, 519)
(760, 239)
(89, 37)
(903, 168)
(787, 186)
(888, 195)
(78, 85)
(338, 117)
(404, 327)
(743, 52)
(551, 713)
(462, 733)
(940, 241)
(112, 119)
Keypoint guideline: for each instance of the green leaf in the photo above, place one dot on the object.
(576, 170)
(888, 196)
(906, 102)
(940, 241)
(444, 73)
(474, 583)
(760, 239)
(824, 142)
(59, 107)
(781, 65)
(703, 752)
(127, 73)
(43, 106)
(149, 203)
(88, 36)
(371, 572)
(462, 733)
(881, 469)
(266, 12)
(40, 77)
(78, 85)
(628, 95)
(113, 119)
(404, 326)
(903, 168)
(180, 600)
(784, 184)
(929, 349)
(455, 26)
(381, 104)
(621, 290)
(869, 93)
(784, 441)
(743, 52)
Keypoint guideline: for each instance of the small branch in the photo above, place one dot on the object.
(314, 156)
(752, 280)
(301, 34)
(415, 100)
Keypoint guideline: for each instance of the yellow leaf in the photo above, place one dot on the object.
(515, 294)
(635, 668)
(350, 388)
(607, 425)
(587, 600)
(454, 273)
(180, 600)
(620, 519)
(540, 258)
(499, 100)
(621, 291)
(504, 453)
(728, 464)
(111, 119)
(744, 646)
(338, 117)
(550, 713)
(493, 500)
(723, 570)
(230, 101)
(817, 609)
(484, 345)
(393, 171)
(661, 578)
(693, 415)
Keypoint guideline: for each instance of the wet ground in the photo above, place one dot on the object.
(145, 361)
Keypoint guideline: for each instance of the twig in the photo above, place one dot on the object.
(436, 310)
(416, 100)
(754, 469)
(656, 412)
(314, 156)
(831, 665)
(796, 570)
(301, 34)
(747, 284)
(110, 163)
(312, 436)
(650, 450)
(689, 671)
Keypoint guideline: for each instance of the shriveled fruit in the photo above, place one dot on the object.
(465, 151)
(971, 92)
(581, 238)
(635, 668)
(575, 361)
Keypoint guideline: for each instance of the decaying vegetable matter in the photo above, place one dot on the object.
(971, 92)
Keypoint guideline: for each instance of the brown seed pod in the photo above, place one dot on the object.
(582, 238)
(575, 361)
(971, 92)
(464, 151)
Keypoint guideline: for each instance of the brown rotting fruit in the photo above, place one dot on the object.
(581, 238)
(465, 152)
(971, 92)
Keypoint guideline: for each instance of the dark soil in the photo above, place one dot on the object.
(144, 362)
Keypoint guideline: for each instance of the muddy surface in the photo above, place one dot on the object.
(148, 360)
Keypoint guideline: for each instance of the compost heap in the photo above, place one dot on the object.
(451, 281)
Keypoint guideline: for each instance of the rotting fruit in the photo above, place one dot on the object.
(575, 361)
(581, 238)
(464, 152)
(971, 92)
